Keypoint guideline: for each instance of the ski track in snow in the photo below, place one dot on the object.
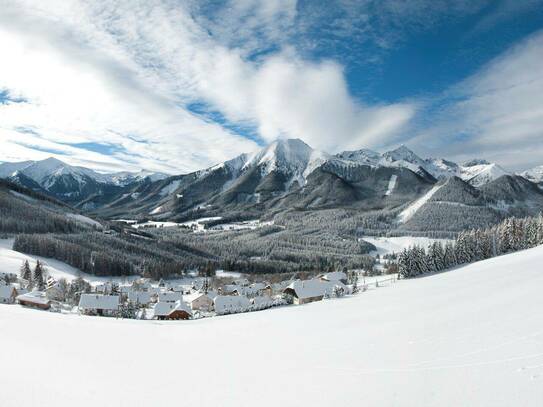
(408, 212)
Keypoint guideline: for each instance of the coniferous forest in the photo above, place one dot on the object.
(511, 235)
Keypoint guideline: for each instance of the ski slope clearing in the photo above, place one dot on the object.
(85, 219)
(408, 212)
(391, 184)
(468, 337)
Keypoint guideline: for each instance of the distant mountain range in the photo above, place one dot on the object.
(290, 175)
(69, 183)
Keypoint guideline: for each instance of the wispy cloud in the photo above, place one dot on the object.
(118, 73)
(496, 113)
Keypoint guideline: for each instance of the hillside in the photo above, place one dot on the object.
(468, 337)
(26, 211)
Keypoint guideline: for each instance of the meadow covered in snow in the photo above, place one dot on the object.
(468, 337)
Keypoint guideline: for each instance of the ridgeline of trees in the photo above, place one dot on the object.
(511, 235)
(18, 216)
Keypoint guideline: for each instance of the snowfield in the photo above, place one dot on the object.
(468, 337)
(388, 245)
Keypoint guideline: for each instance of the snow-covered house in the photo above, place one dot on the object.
(231, 304)
(36, 299)
(335, 276)
(8, 293)
(104, 288)
(172, 310)
(139, 297)
(97, 304)
(183, 288)
(169, 296)
(305, 291)
(199, 301)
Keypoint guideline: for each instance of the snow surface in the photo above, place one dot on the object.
(408, 212)
(481, 174)
(11, 261)
(391, 184)
(534, 175)
(468, 337)
(84, 219)
(388, 245)
(170, 188)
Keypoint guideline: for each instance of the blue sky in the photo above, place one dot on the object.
(176, 86)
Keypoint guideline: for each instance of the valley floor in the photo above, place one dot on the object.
(469, 337)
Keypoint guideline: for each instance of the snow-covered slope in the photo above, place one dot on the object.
(291, 156)
(45, 170)
(481, 173)
(11, 261)
(535, 174)
(468, 337)
(477, 172)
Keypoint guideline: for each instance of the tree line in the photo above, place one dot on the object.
(512, 234)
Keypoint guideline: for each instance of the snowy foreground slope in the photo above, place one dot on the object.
(468, 337)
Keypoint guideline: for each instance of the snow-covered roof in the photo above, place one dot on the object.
(163, 309)
(97, 301)
(7, 291)
(312, 288)
(189, 298)
(335, 276)
(35, 297)
(231, 303)
(170, 296)
(141, 297)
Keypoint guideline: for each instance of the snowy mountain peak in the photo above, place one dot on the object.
(44, 172)
(481, 174)
(287, 156)
(402, 153)
(535, 174)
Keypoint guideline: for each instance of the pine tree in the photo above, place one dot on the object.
(38, 276)
(26, 273)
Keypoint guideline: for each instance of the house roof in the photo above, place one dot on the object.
(335, 276)
(311, 288)
(170, 296)
(189, 298)
(97, 301)
(164, 309)
(34, 297)
(143, 297)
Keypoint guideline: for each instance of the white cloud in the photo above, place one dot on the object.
(496, 113)
(125, 73)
